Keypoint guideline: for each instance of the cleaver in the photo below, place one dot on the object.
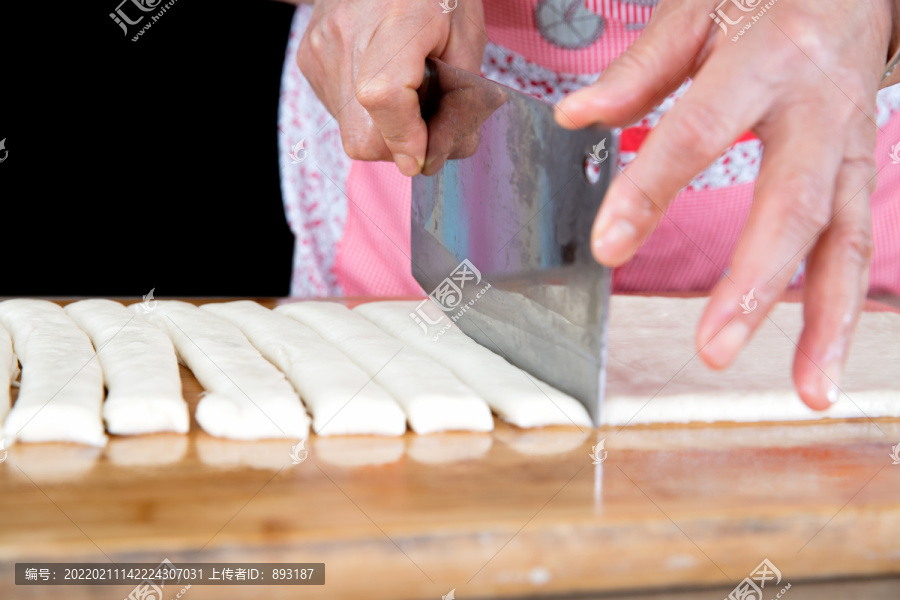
(501, 221)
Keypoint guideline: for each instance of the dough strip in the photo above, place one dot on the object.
(61, 393)
(433, 398)
(342, 397)
(513, 394)
(140, 369)
(246, 397)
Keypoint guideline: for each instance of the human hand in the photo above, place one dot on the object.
(803, 78)
(365, 60)
(454, 104)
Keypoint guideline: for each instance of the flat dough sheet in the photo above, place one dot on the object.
(654, 374)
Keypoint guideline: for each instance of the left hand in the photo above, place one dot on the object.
(804, 79)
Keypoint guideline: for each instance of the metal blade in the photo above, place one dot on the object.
(501, 234)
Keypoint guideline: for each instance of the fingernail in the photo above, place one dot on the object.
(617, 239)
(726, 344)
(435, 159)
(408, 165)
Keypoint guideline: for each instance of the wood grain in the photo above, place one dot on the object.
(509, 513)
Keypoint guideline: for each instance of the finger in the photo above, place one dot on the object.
(705, 121)
(468, 38)
(675, 42)
(837, 278)
(390, 72)
(452, 123)
(454, 127)
(464, 50)
(463, 147)
(319, 62)
(361, 139)
(792, 205)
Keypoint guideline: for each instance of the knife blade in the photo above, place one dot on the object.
(500, 229)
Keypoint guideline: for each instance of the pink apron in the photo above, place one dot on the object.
(351, 218)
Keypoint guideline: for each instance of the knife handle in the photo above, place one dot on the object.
(429, 93)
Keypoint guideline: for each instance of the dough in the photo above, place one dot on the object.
(8, 371)
(513, 394)
(342, 398)
(139, 366)
(433, 398)
(650, 339)
(246, 397)
(61, 394)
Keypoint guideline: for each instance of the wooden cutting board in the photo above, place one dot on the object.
(502, 514)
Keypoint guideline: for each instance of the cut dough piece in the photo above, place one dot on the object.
(433, 398)
(342, 397)
(139, 366)
(8, 370)
(655, 376)
(513, 394)
(246, 397)
(61, 394)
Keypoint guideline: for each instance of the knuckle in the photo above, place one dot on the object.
(352, 145)
(357, 146)
(862, 167)
(375, 94)
(397, 18)
(701, 134)
(354, 149)
(643, 214)
(861, 100)
(872, 183)
(333, 25)
(396, 140)
(859, 159)
(316, 41)
(305, 58)
(855, 240)
(850, 92)
(806, 198)
(805, 35)
(313, 47)
(636, 61)
(467, 147)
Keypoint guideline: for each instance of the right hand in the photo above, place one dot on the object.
(365, 60)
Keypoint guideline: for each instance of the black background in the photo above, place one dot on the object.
(148, 164)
